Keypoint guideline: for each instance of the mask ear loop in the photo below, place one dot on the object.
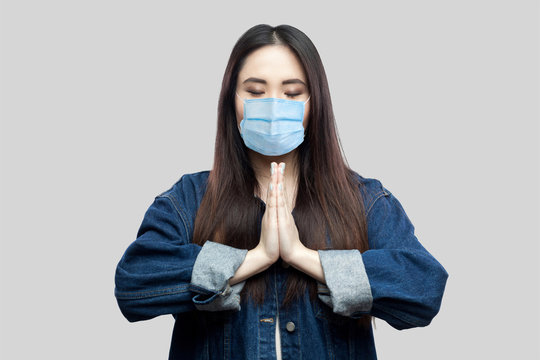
(239, 96)
(305, 102)
(243, 101)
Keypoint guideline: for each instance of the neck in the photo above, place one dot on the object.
(261, 166)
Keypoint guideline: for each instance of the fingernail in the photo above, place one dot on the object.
(271, 186)
(282, 168)
(279, 186)
(272, 169)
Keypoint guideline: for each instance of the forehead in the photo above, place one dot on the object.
(273, 63)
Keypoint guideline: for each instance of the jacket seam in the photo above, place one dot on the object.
(379, 195)
(202, 290)
(180, 212)
(128, 295)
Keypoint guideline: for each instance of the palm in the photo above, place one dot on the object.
(279, 234)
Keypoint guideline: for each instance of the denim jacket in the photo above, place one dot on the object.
(163, 272)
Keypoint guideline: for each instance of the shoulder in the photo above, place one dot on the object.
(187, 192)
(371, 188)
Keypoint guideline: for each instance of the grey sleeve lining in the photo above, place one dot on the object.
(214, 266)
(347, 290)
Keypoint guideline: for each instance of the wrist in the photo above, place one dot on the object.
(308, 261)
(297, 255)
(262, 258)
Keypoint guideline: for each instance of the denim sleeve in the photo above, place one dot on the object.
(396, 280)
(154, 275)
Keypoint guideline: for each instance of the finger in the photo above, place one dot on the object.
(272, 171)
(284, 188)
(285, 194)
(270, 213)
(268, 187)
(272, 187)
(282, 208)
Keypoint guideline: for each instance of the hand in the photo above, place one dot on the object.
(269, 241)
(289, 240)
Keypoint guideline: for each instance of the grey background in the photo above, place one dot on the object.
(105, 104)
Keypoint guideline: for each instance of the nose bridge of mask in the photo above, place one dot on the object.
(273, 109)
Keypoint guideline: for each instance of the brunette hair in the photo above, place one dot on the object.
(328, 200)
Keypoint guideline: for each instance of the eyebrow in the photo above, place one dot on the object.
(284, 82)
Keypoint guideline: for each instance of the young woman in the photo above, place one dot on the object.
(280, 250)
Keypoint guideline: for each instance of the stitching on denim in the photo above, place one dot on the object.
(163, 193)
(127, 295)
(380, 194)
(277, 302)
(201, 290)
(179, 211)
(210, 301)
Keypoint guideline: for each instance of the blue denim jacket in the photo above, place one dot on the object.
(162, 272)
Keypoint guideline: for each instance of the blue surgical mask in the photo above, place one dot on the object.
(272, 126)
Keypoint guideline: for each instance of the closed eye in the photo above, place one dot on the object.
(259, 93)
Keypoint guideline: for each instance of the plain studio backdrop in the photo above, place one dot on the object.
(105, 104)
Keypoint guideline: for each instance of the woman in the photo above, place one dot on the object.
(281, 250)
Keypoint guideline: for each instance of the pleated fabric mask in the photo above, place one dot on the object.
(272, 126)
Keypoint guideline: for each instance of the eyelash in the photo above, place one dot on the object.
(259, 93)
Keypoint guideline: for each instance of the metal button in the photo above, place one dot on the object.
(290, 326)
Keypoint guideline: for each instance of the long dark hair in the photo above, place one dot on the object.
(328, 193)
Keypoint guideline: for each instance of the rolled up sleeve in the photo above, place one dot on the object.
(214, 266)
(396, 279)
(163, 272)
(347, 288)
(406, 280)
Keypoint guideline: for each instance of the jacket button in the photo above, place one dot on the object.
(290, 326)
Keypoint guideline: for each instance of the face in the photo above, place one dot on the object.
(271, 71)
